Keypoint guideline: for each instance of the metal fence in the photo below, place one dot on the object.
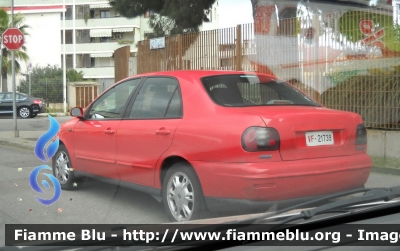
(340, 59)
(50, 89)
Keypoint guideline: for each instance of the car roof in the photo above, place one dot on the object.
(195, 73)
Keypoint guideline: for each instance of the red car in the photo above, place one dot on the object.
(213, 139)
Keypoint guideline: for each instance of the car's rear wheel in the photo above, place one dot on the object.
(182, 194)
(24, 112)
(63, 170)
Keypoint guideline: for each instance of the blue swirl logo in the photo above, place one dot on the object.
(45, 155)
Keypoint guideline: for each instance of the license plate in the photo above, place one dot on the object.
(321, 138)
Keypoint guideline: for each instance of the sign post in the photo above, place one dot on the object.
(13, 39)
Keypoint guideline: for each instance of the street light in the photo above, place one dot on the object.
(28, 74)
(29, 68)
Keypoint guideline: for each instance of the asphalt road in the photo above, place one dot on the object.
(94, 201)
(33, 124)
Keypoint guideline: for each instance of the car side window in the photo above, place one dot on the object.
(8, 96)
(154, 98)
(21, 97)
(111, 104)
(175, 107)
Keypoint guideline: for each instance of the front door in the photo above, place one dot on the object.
(148, 129)
(95, 136)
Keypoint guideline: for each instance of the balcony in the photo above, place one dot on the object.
(111, 22)
(96, 47)
(97, 72)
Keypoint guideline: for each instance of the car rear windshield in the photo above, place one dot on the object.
(252, 90)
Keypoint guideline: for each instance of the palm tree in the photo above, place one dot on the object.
(5, 23)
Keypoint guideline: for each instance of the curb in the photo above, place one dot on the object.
(17, 145)
(52, 114)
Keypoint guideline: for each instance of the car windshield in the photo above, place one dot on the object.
(253, 90)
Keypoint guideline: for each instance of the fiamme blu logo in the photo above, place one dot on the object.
(51, 140)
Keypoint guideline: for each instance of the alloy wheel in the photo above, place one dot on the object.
(180, 196)
(62, 167)
(24, 112)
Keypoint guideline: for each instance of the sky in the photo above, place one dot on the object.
(234, 12)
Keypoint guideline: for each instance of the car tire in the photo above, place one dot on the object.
(183, 199)
(24, 112)
(63, 170)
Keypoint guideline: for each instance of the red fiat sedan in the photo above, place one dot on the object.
(213, 139)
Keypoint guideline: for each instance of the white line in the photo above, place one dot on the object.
(173, 238)
(114, 235)
(349, 235)
(165, 235)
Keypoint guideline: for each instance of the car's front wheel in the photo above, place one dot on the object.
(24, 112)
(182, 194)
(63, 170)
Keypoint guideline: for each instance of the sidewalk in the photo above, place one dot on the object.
(26, 139)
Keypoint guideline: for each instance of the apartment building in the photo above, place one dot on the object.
(93, 30)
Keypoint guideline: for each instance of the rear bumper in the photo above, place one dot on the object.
(38, 109)
(268, 182)
(225, 204)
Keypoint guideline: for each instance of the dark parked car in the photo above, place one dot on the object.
(27, 106)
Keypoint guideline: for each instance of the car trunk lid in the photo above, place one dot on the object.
(311, 132)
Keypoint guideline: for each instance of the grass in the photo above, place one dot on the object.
(381, 162)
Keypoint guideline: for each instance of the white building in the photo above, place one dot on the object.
(93, 30)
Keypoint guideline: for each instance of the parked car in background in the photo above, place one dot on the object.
(213, 139)
(27, 106)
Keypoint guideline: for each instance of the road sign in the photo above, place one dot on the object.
(13, 39)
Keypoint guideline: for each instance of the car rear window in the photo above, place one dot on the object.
(252, 90)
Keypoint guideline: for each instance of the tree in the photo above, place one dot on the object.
(47, 82)
(171, 16)
(5, 23)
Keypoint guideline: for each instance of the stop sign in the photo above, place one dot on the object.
(13, 39)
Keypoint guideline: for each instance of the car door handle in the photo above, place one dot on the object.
(109, 131)
(162, 131)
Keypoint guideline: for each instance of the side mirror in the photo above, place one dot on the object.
(76, 112)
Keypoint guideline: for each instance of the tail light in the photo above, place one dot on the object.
(260, 139)
(37, 101)
(361, 135)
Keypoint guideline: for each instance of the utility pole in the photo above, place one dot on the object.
(16, 132)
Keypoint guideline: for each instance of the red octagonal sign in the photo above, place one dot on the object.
(13, 39)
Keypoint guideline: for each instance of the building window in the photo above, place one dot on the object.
(104, 39)
(149, 13)
(105, 14)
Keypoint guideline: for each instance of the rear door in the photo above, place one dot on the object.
(148, 129)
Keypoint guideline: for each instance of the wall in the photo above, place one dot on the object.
(383, 147)
(43, 45)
